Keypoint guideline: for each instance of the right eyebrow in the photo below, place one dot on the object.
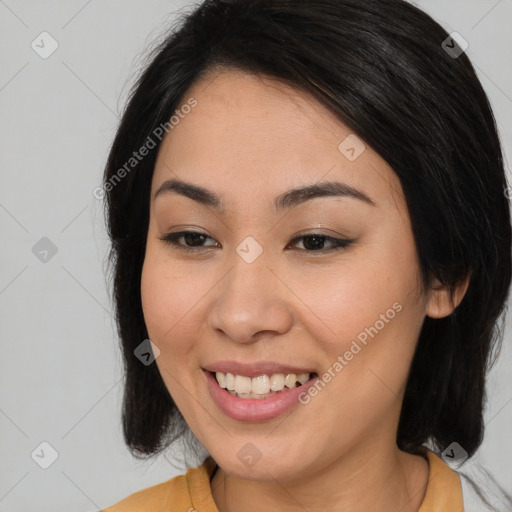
(195, 192)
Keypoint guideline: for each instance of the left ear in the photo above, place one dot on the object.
(440, 302)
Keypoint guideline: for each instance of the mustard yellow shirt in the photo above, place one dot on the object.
(189, 492)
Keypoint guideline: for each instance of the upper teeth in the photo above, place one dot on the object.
(262, 384)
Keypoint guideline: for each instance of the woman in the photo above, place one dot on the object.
(307, 210)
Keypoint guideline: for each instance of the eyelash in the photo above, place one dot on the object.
(338, 243)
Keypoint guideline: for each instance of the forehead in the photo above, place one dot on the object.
(250, 136)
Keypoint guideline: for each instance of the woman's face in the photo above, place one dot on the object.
(258, 288)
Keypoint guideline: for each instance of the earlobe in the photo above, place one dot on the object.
(440, 302)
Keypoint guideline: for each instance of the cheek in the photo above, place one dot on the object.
(171, 299)
(343, 304)
(158, 298)
(169, 302)
(369, 311)
(163, 294)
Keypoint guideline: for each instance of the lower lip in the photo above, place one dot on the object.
(255, 409)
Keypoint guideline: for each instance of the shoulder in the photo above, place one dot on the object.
(467, 487)
(176, 494)
(157, 497)
(443, 490)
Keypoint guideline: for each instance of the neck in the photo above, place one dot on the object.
(374, 481)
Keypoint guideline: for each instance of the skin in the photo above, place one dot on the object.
(248, 139)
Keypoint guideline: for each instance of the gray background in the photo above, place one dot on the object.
(61, 367)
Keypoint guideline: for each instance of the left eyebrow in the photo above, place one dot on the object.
(296, 196)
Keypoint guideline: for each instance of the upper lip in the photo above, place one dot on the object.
(254, 369)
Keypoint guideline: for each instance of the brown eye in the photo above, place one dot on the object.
(315, 242)
(193, 240)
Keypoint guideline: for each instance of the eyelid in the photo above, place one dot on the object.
(170, 239)
(338, 243)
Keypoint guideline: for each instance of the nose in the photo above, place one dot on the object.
(251, 302)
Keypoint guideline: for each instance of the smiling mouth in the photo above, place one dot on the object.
(262, 386)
